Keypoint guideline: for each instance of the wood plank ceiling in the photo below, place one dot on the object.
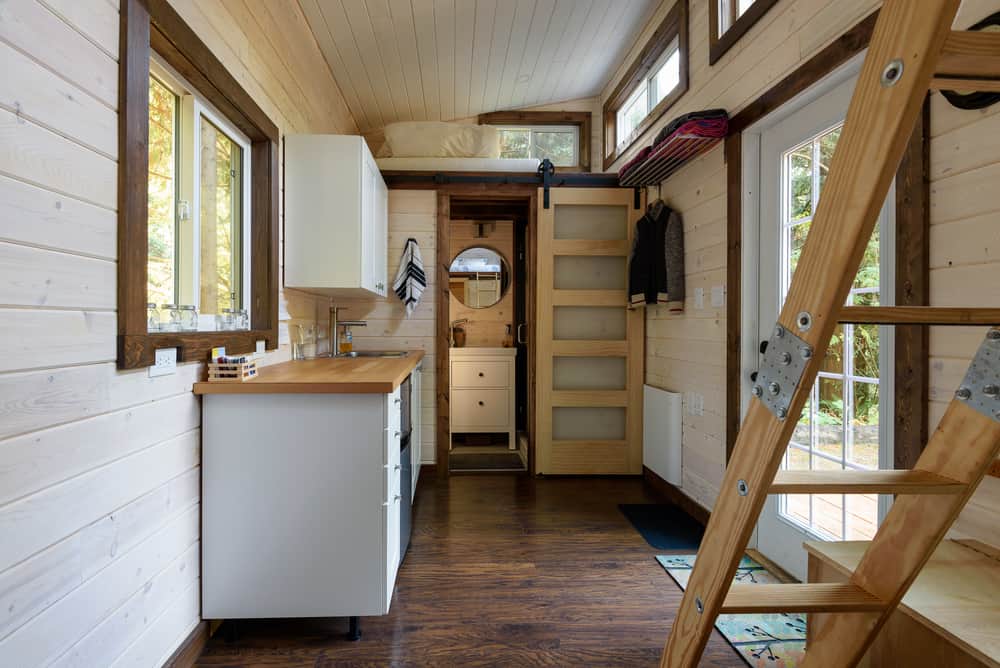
(400, 60)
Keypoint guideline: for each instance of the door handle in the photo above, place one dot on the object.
(520, 332)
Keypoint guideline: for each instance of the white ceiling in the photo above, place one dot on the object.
(401, 60)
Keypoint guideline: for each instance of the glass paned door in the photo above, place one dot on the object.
(839, 427)
(846, 422)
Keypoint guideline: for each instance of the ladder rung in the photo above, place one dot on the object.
(816, 597)
(918, 315)
(864, 482)
(970, 54)
(965, 84)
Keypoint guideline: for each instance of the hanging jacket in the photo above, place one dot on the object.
(656, 265)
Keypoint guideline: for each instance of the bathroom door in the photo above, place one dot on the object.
(589, 345)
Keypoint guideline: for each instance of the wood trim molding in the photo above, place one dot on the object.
(145, 26)
(442, 334)
(674, 24)
(912, 254)
(581, 119)
(186, 655)
(718, 45)
(675, 496)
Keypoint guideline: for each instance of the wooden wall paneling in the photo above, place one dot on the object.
(35, 93)
(443, 336)
(36, 31)
(738, 26)
(47, 577)
(43, 278)
(91, 19)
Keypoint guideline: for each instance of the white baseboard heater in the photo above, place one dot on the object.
(661, 433)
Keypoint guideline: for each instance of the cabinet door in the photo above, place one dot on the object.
(381, 238)
(368, 231)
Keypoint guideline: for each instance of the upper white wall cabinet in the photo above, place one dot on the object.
(336, 217)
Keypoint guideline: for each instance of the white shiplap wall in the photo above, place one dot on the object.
(686, 353)
(99, 469)
(412, 213)
(411, 60)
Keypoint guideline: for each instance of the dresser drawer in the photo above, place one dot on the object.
(480, 409)
(480, 374)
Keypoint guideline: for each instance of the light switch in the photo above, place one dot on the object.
(699, 297)
(718, 296)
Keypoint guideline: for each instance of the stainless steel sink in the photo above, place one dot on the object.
(375, 353)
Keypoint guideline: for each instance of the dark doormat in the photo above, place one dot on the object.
(487, 461)
(664, 526)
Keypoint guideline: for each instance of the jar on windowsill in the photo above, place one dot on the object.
(172, 315)
(152, 317)
(189, 318)
(224, 321)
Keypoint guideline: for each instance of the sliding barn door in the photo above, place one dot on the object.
(589, 346)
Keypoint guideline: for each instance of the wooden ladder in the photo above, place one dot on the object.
(912, 50)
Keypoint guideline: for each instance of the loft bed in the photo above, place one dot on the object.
(543, 175)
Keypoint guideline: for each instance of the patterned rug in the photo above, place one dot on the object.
(775, 640)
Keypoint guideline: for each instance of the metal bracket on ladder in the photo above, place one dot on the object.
(785, 358)
(980, 389)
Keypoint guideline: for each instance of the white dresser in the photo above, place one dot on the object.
(482, 393)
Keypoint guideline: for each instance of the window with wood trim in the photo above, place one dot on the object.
(653, 83)
(729, 20)
(197, 197)
(561, 136)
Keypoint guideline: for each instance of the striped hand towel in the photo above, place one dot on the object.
(410, 279)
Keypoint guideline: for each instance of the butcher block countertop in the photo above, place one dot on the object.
(342, 375)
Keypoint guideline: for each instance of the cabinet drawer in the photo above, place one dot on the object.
(480, 374)
(480, 408)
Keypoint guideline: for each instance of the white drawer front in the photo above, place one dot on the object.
(480, 374)
(480, 409)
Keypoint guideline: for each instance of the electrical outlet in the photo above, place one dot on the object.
(261, 348)
(718, 296)
(699, 297)
(165, 363)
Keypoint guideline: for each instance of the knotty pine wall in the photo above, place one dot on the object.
(412, 213)
(99, 469)
(686, 353)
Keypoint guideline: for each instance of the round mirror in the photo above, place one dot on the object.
(479, 277)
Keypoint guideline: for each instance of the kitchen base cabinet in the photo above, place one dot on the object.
(300, 504)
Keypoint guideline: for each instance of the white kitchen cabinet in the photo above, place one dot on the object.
(300, 504)
(336, 217)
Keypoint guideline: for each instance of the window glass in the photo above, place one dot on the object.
(560, 144)
(162, 193)
(198, 211)
(220, 220)
(632, 113)
(665, 77)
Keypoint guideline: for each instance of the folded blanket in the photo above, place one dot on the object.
(410, 278)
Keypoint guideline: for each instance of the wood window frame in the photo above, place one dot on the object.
(581, 119)
(718, 44)
(912, 225)
(153, 25)
(673, 26)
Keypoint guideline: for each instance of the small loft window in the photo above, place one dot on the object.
(662, 80)
(654, 82)
(558, 143)
(198, 199)
(730, 20)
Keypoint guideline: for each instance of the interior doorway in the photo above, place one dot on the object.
(484, 333)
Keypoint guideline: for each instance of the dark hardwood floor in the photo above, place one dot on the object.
(503, 570)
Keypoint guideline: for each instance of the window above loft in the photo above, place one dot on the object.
(653, 83)
(558, 143)
(729, 20)
(561, 136)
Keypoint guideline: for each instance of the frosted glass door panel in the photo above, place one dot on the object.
(581, 272)
(584, 221)
(589, 323)
(588, 424)
(589, 373)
